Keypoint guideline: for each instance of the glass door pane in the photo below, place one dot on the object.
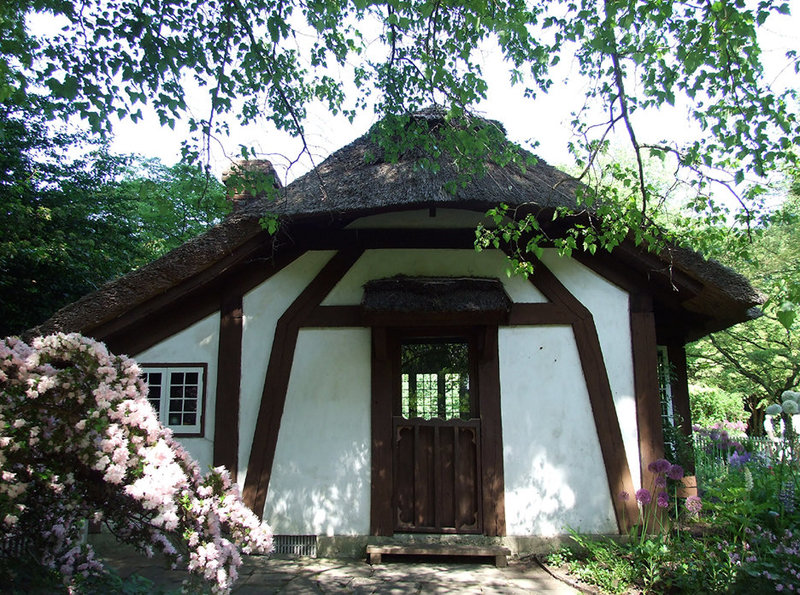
(435, 379)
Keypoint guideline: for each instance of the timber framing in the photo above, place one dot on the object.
(562, 308)
(306, 311)
(229, 375)
(676, 354)
(276, 383)
(595, 374)
(160, 318)
(645, 379)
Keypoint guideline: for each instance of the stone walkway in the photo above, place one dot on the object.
(260, 575)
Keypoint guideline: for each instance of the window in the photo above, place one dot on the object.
(665, 393)
(435, 379)
(665, 384)
(177, 395)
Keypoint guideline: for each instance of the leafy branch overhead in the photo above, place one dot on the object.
(262, 59)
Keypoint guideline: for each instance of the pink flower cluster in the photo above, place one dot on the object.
(78, 440)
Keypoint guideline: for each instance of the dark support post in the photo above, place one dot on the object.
(229, 373)
(645, 378)
(381, 507)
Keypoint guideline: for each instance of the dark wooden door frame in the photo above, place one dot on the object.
(385, 389)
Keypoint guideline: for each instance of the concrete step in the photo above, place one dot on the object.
(499, 553)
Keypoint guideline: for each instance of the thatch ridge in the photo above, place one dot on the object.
(350, 184)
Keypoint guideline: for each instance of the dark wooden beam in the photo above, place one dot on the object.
(601, 398)
(229, 374)
(327, 239)
(645, 380)
(494, 509)
(276, 383)
(529, 314)
(406, 319)
(335, 316)
(382, 490)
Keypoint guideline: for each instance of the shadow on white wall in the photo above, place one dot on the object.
(548, 499)
(336, 504)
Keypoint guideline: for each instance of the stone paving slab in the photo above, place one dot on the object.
(262, 575)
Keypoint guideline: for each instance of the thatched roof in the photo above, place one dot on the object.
(356, 181)
(435, 294)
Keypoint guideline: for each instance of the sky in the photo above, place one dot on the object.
(544, 120)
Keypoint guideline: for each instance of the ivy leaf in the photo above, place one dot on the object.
(786, 314)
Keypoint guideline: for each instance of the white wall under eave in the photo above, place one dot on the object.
(380, 264)
(320, 482)
(610, 308)
(555, 477)
(197, 344)
(262, 307)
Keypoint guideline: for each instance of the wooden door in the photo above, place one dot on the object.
(436, 437)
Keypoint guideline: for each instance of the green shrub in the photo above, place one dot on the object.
(711, 405)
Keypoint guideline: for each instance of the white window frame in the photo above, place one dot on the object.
(166, 371)
(665, 393)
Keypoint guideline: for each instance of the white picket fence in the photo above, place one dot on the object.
(761, 447)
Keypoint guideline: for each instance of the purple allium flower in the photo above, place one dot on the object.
(737, 460)
(663, 500)
(624, 496)
(659, 466)
(675, 472)
(661, 481)
(694, 504)
(643, 496)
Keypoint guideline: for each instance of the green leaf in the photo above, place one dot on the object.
(786, 315)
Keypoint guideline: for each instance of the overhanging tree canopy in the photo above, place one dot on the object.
(260, 59)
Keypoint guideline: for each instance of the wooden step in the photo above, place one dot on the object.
(499, 553)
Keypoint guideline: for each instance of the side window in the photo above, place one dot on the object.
(177, 394)
(665, 393)
(665, 385)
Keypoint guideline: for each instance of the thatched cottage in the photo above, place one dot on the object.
(368, 375)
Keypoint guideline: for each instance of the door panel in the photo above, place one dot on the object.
(437, 471)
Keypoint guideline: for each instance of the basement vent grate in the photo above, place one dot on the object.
(295, 545)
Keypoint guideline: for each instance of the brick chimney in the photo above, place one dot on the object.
(248, 179)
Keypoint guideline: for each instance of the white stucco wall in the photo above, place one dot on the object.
(320, 481)
(262, 307)
(379, 264)
(196, 344)
(554, 472)
(610, 308)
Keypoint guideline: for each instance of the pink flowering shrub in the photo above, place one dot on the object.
(78, 441)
